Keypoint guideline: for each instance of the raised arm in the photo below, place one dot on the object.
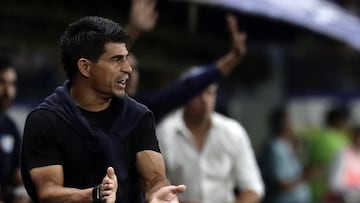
(177, 94)
(143, 17)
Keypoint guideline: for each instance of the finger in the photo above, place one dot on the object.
(232, 24)
(106, 193)
(107, 186)
(238, 38)
(106, 190)
(178, 188)
(111, 173)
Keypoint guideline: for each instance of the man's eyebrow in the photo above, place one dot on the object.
(119, 56)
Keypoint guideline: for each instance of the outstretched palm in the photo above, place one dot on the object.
(168, 194)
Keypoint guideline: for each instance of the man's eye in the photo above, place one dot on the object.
(117, 59)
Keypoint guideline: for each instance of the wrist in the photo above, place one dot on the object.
(96, 196)
(227, 63)
(19, 191)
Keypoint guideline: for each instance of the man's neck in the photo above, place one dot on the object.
(88, 100)
(199, 128)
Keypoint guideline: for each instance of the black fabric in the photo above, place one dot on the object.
(88, 142)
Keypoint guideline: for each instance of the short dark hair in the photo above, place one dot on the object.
(5, 62)
(86, 38)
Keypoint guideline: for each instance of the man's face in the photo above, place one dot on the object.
(132, 84)
(203, 105)
(110, 73)
(8, 80)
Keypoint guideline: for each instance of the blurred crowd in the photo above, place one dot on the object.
(208, 150)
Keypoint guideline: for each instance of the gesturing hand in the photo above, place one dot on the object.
(238, 47)
(143, 15)
(168, 194)
(109, 186)
(238, 38)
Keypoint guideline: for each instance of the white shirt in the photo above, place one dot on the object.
(226, 160)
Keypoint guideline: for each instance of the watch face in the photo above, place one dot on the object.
(7, 142)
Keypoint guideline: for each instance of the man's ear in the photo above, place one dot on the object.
(84, 66)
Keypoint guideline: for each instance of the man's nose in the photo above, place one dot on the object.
(127, 67)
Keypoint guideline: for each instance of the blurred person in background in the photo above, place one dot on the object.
(11, 186)
(285, 177)
(324, 144)
(143, 18)
(344, 176)
(210, 153)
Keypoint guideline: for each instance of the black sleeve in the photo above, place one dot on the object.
(144, 133)
(40, 145)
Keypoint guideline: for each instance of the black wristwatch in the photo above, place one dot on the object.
(96, 196)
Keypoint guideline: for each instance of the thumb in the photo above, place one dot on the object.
(178, 188)
(110, 172)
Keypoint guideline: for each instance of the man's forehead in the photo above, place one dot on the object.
(113, 46)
